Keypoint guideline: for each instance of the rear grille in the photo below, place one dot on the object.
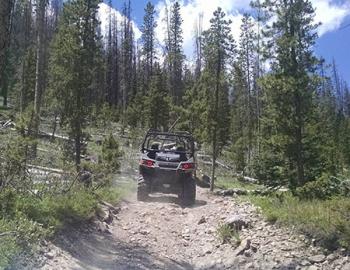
(170, 165)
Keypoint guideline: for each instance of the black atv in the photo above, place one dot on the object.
(167, 165)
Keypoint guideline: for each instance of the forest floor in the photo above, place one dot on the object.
(160, 234)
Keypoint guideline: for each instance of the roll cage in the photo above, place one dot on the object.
(167, 141)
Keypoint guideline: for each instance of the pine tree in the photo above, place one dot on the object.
(175, 55)
(218, 47)
(239, 120)
(157, 102)
(6, 8)
(126, 56)
(39, 69)
(73, 67)
(198, 44)
(148, 41)
(246, 60)
(288, 94)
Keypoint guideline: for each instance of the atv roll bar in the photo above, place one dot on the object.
(183, 134)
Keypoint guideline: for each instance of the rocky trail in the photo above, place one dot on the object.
(159, 234)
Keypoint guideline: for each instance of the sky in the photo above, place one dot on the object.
(333, 42)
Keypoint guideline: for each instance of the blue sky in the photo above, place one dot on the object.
(333, 42)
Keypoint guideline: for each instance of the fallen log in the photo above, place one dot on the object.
(46, 169)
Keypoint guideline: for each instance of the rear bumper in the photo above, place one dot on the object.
(165, 181)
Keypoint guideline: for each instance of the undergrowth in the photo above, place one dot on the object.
(227, 234)
(327, 221)
(227, 182)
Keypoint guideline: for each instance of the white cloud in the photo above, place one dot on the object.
(103, 14)
(330, 14)
(190, 11)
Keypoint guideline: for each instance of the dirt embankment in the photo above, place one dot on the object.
(161, 235)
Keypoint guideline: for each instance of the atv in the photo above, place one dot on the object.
(167, 165)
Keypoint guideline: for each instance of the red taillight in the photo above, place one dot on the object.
(147, 163)
(187, 166)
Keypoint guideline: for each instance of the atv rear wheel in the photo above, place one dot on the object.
(142, 191)
(188, 192)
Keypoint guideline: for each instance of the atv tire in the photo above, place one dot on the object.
(188, 192)
(142, 191)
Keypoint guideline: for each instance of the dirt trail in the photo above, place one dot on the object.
(161, 235)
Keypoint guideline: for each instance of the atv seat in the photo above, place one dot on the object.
(182, 153)
(154, 149)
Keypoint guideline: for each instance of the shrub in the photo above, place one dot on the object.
(228, 235)
(323, 188)
(111, 153)
(327, 221)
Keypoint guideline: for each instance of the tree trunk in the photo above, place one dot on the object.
(77, 140)
(212, 180)
(216, 116)
(39, 73)
(5, 31)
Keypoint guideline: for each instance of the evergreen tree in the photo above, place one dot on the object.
(245, 115)
(157, 102)
(148, 41)
(239, 120)
(40, 64)
(126, 56)
(288, 94)
(5, 31)
(73, 67)
(218, 47)
(175, 55)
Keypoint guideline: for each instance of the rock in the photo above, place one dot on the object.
(202, 220)
(244, 245)
(218, 200)
(247, 253)
(305, 263)
(103, 214)
(231, 192)
(331, 257)
(250, 266)
(210, 230)
(254, 248)
(49, 255)
(346, 266)
(102, 227)
(206, 179)
(317, 258)
(207, 250)
(144, 232)
(312, 267)
(238, 222)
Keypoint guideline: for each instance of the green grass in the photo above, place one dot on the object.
(326, 221)
(29, 218)
(227, 182)
(227, 234)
